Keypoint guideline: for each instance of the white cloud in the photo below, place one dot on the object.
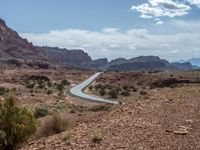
(165, 45)
(132, 47)
(145, 16)
(159, 22)
(110, 30)
(174, 51)
(105, 50)
(157, 19)
(114, 46)
(161, 8)
(127, 44)
(194, 2)
(87, 45)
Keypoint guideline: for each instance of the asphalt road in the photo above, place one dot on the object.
(78, 91)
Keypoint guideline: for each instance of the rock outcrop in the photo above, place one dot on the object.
(64, 56)
(146, 63)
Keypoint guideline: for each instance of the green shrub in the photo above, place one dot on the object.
(16, 125)
(143, 93)
(65, 82)
(41, 84)
(49, 84)
(98, 86)
(40, 112)
(90, 87)
(60, 87)
(30, 85)
(125, 93)
(49, 92)
(134, 89)
(54, 125)
(100, 108)
(126, 87)
(102, 92)
(113, 93)
(3, 91)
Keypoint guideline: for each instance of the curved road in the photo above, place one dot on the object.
(78, 91)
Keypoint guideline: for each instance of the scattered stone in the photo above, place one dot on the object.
(182, 130)
(168, 130)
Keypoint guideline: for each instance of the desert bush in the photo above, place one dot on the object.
(90, 87)
(30, 85)
(96, 136)
(49, 84)
(134, 89)
(60, 87)
(65, 82)
(49, 92)
(100, 108)
(16, 125)
(125, 93)
(41, 84)
(3, 91)
(40, 112)
(143, 93)
(54, 125)
(126, 87)
(102, 92)
(78, 108)
(98, 86)
(113, 93)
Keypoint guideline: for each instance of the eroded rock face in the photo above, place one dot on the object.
(76, 57)
(16, 51)
(13, 46)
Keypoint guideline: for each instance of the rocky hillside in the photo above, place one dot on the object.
(13, 46)
(64, 56)
(145, 63)
(163, 120)
(193, 61)
(18, 52)
(183, 66)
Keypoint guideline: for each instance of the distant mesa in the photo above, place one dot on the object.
(194, 61)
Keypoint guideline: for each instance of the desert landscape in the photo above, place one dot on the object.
(76, 83)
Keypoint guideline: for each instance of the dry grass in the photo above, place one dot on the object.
(53, 125)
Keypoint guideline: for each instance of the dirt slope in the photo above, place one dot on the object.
(165, 119)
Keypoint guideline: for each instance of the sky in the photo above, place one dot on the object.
(109, 28)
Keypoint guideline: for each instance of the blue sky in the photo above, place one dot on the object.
(109, 28)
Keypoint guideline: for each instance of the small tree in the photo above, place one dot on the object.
(16, 125)
(102, 92)
(125, 93)
(65, 82)
(40, 112)
(90, 87)
(3, 91)
(113, 93)
(60, 87)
